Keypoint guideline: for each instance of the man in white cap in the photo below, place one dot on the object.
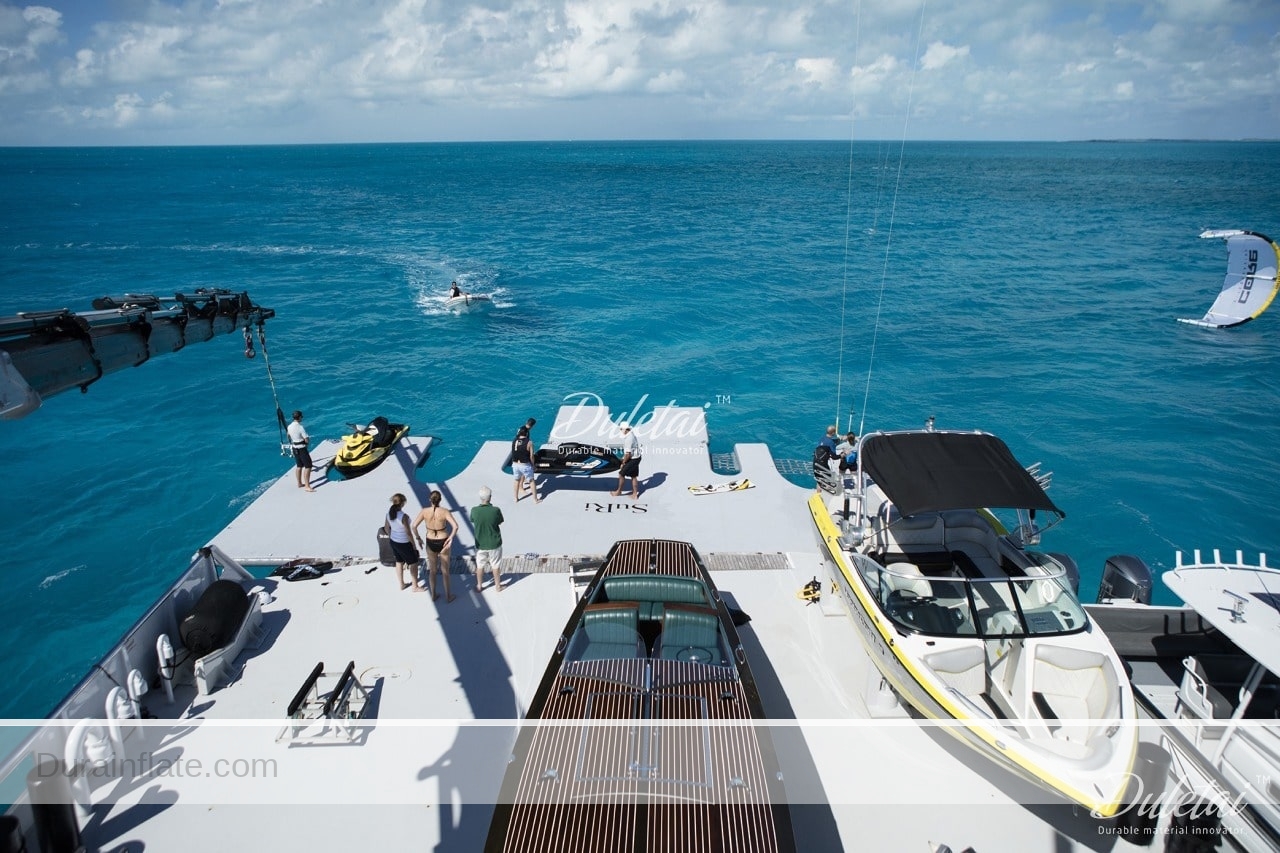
(630, 461)
(486, 520)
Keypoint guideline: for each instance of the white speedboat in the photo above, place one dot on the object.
(1208, 673)
(964, 623)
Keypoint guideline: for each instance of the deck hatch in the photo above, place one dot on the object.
(611, 753)
(679, 755)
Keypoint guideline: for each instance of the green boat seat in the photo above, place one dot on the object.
(691, 633)
(652, 592)
(610, 632)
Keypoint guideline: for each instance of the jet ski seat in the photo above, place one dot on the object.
(380, 429)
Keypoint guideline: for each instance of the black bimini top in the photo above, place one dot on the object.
(932, 471)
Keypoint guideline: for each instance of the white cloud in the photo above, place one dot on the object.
(939, 55)
(240, 70)
(25, 32)
(130, 108)
(666, 82)
(872, 76)
(823, 71)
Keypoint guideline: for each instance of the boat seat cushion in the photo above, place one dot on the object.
(907, 577)
(971, 535)
(651, 592)
(1074, 689)
(963, 669)
(1000, 623)
(910, 600)
(611, 631)
(894, 533)
(691, 633)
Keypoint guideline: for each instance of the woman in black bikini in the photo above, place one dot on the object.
(438, 542)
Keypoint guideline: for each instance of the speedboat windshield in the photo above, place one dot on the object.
(1037, 603)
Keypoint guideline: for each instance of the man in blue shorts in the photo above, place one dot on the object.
(522, 461)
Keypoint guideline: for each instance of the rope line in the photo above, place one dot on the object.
(266, 359)
(848, 218)
(893, 210)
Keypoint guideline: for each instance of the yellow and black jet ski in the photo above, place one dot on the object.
(365, 447)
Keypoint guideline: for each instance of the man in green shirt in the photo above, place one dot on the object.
(486, 520)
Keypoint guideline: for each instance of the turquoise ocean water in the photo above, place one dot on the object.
(1026, 289)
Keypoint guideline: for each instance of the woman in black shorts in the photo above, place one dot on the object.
(402, 536)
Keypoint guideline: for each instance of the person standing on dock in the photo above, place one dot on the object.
(522, 461)
(630, 461)
(300, 443)
(402, 535)
(438, 542)
(486, 520)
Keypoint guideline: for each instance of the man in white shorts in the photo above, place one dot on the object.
(486, 520)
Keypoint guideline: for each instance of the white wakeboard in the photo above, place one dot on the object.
(717, 488)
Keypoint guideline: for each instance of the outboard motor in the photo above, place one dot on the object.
(1125, 578)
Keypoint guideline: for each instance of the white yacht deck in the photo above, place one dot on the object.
(578, 514)
(449, 681)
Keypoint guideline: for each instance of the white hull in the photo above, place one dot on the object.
(467, 299)
(988, 687)
(1205, 678)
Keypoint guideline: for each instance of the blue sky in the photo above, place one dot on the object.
(154, 72)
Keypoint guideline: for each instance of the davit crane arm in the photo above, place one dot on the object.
(46, 352)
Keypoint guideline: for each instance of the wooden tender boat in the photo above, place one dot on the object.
(641, 735)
